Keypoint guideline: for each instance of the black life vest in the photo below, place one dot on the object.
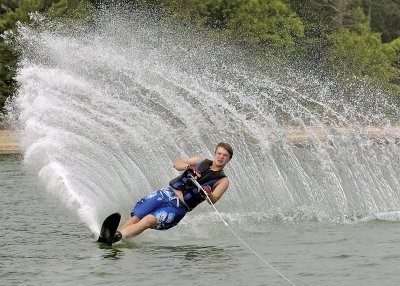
(191, 195)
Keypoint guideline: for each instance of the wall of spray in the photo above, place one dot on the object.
(105, 108)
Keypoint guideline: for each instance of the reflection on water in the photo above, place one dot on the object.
(34, 244)
(208, 256)
(193, 253)
(112, 253)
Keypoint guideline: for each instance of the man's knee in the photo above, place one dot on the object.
(134, 219)
(149, 221)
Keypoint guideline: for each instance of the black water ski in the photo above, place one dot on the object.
(109, 228)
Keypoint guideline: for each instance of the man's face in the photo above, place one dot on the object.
(221, 157)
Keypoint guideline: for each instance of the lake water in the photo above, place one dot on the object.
(43, 243)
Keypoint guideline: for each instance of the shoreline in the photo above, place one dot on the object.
(10, 142)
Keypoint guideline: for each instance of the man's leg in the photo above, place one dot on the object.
(131, 221)
(134, 229)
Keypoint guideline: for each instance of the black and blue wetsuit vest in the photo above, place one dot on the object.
(191, 195)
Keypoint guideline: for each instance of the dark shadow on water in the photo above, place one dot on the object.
(196, 253)
(111, 252)
(203, 256)
(199, 256)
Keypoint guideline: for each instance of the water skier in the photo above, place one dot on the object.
(164, 208)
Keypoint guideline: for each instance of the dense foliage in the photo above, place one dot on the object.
(13, 11)
(341, 37)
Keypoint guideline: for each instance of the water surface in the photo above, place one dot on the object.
(43, 243)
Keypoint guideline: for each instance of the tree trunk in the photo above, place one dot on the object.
(369, 13)
(340, 8)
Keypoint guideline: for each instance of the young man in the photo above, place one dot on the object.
(164, 208)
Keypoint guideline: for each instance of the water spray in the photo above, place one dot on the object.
(237, 236)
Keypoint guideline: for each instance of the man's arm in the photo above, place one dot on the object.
(182, 164)
(221, 186)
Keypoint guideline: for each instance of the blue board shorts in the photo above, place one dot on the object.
(164, 205)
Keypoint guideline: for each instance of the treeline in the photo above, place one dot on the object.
(340, 37)
(13, 11)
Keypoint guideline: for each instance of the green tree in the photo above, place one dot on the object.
(355, 50)
(255, 22)
(19, 11)
(384, 17)
(7, 73)
(208, 13)
(267, 23)
(73, 9)
(395, 60)
(361, 54)
(6, 5)
(318, 24)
